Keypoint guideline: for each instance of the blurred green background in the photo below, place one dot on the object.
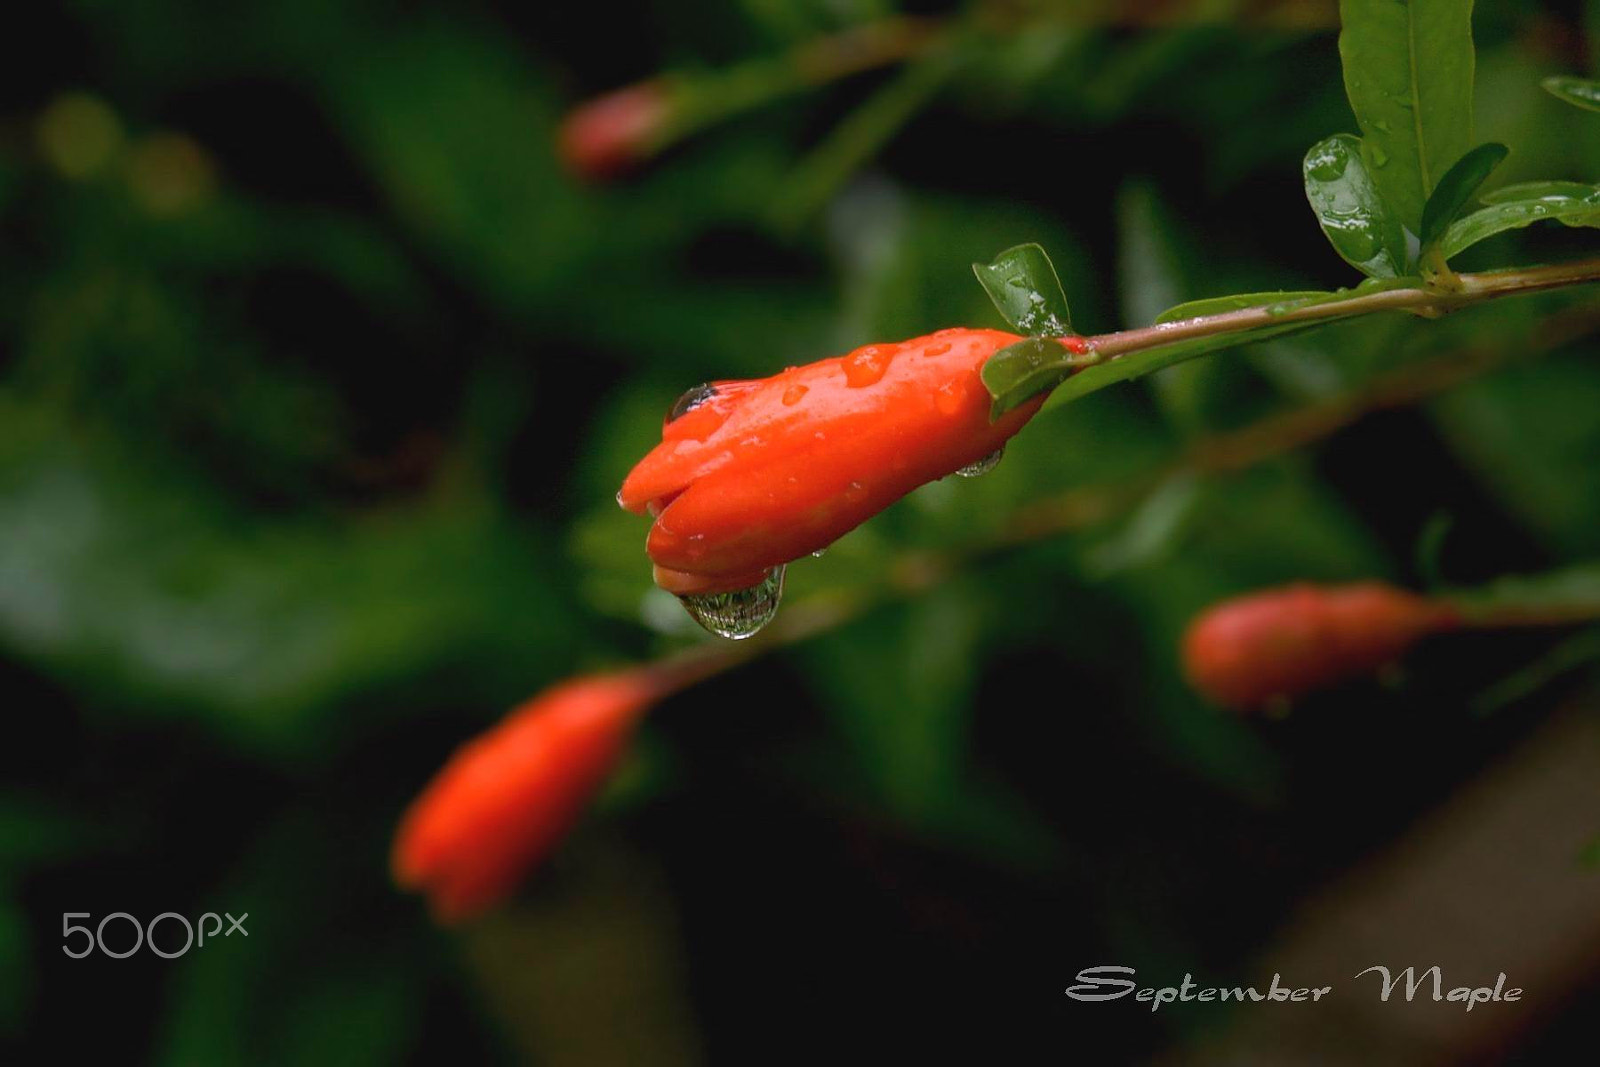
(319, 378)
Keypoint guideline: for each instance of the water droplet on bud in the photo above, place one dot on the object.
(690, 400)
(741, 613)
(984, 465)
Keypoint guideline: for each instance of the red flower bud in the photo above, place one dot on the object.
(507, 797)
(1278, 644)
(753, 474)
(614, 132)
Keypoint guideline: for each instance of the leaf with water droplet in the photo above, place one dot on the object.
(1022, 283)
(1350, 210)
(1579, 92)
(1018, 373)
(1547, 190)
(1455, 190)
(1515, 214)
(741, 613)
(1408, 70)
(1217, 305)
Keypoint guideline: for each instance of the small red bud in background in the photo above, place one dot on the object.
(611, 134)
(506, 798)
(1279, 644)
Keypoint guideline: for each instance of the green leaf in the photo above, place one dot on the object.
(1408, 72)
(1350, 209)
(1023, 285)
(1017, 373)
(1217, 305)
(1456, 188)
(1512, 215)
(1579, 92)
(1540, 191)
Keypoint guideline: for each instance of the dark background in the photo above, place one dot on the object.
(319, 377)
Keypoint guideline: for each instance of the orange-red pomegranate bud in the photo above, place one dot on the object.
(753, 474)
(1279, 644)
(612, 133)
(507, 797)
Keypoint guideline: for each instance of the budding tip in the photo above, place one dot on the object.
(611, 134)
(1256, 652)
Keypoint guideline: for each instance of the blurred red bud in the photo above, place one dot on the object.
(1279, 644)
(613, 133)
(506, 798)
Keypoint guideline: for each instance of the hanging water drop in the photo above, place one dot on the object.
(819, 553)
(690, 400)
(984, 465)
(741, 613)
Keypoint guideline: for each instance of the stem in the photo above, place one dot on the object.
(1424, 300)
(707, 98)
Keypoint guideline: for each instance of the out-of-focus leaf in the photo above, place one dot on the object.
(1580, 650)
(138, 585)
(1529, 432)
(1579, 92)
(1154, 252)
(1352, 212)
(901, 691)
(1554, 190)
(31, 833)
(863, 133)
(1430, 546)
(1217, 305)
(1408, 72)
(1569, 592)
(1456, 188)
(1514, 215)
(1150, 532)
(329, 996)
(1023, 284)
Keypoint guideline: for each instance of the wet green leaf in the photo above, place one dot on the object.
(1217, 305)
(1538, 191)
(1579, 92)
(1017, 373)
(1022, 283)
(1408, 70)
(1350, 209)
(1515, 214)
(1456, 188)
